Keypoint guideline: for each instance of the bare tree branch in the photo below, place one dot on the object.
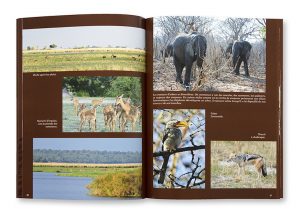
(262, 22)
(164, 169)
(166, 155)
(238, 28)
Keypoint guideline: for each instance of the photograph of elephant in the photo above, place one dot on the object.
(179, 148)
(87, 168)
(84, 48)
(192, 53)
(243, 164)
(102, 104)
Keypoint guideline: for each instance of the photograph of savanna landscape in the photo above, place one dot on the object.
(195, 53)
(84, 48)
(87, 168)
(102, 104)
(179, 148)
(243, 164)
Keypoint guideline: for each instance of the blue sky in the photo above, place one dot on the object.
(99, 144)
(70, 37)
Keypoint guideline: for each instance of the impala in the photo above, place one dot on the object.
(109, 114)
(88, 115)
(133, 117)
(128, 114)
(75, 104)
(97, 102)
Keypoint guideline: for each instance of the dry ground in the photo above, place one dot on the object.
(215, 80)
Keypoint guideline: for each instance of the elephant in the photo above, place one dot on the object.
(240, 53)
(167, 52)
(188, 48)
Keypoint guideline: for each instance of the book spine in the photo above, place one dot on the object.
(19, 162)
(280, 29)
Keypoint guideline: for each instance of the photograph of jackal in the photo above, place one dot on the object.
(242, 160)
(243, 164)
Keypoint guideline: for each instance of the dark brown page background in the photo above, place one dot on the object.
(41, 97)
(240, 122)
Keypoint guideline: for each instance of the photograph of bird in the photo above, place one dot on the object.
(172, 139)
(173, 135)
(178, 148)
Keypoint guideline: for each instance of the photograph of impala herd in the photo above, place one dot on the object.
(108, 113)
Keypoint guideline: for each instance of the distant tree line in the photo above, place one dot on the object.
(85, 156)
(53, 46)
(107, 86)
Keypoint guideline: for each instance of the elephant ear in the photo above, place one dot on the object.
(199, 45)
(194, 40)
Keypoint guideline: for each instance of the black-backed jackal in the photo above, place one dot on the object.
(242, 160)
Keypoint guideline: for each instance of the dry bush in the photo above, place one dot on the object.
(117, 185)
(217, 72)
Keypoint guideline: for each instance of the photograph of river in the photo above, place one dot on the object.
(87, 168)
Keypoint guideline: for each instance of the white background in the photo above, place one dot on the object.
(12, 9)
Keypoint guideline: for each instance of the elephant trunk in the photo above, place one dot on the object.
(200, 56)
(200, 61)
(201, 52)
(235, 58)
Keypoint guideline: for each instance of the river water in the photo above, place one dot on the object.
(50, 186)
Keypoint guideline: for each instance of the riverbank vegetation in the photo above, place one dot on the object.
(104, 86)
(84, 170)
(127, 184)
(108, 180)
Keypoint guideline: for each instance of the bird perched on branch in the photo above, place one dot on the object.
(172, 134)
(171, 140)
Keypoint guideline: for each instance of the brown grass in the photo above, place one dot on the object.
(117, 185)
(216, 75)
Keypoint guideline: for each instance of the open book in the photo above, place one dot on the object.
(118, 106)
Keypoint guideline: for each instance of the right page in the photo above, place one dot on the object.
(214, 105)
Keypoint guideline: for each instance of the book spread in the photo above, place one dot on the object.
(171, 107)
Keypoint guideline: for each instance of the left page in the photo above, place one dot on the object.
(80, 87)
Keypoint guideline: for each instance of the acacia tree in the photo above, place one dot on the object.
(238, 28)
(172, 25)
(168, 27)
(52, 46)
(262, 23)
